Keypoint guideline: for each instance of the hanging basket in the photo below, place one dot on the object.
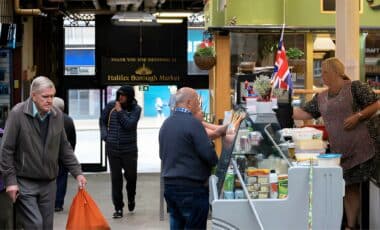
(204, 63)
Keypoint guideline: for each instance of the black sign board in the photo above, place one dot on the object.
(140, 70)
(140, 54)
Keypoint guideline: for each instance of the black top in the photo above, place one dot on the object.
(185, 150)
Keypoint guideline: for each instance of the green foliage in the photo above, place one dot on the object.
(268, 47)
(262, 85)
(294, 53)
(205, 49)
(208, 51)
(277, 92)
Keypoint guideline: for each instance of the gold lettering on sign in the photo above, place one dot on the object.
(117, 59)
(168, 78)
(143, 78)
(118, 77)
(143, 59)
(143, 70)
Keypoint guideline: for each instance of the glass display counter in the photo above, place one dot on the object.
(241, 191)
(5, 84)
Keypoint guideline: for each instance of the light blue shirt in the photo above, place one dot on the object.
(37, 114)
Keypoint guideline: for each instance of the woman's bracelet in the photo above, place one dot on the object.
(360, 115)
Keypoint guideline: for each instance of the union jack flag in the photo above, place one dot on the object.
(281, 75)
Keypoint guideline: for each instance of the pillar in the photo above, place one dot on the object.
(347, 36)
(220, 81)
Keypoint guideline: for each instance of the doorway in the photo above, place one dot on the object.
(85, 106)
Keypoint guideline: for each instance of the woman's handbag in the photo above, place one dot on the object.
(85, 214)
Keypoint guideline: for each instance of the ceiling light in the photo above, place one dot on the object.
(173, 14)
(169, 20)
(133, 18)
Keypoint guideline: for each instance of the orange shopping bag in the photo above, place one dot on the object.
(85, 214)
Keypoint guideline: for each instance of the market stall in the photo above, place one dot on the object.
(302, 196)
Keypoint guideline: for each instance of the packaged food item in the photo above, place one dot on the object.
(273, 181)
(329, 159)
(229, 195)
(244, 144)
(239, 194)
(282, 186)
(251, 179)
(292, 150)
(263, 179)
(263, 195)
(254, 195)
(256, 172)
(237, 183)
(229, 180)
(264, 187)
(241, 162)
(312, 144)
(253, 187)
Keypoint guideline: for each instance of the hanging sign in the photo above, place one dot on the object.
(142, 70)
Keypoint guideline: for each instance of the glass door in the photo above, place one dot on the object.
(84, 107)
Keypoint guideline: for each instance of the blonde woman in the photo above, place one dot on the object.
(346, 107)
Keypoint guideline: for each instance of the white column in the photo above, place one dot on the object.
(347, 36)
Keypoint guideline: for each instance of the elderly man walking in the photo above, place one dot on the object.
(33, 141)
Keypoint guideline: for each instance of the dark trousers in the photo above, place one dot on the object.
(188, 206)
(6, 207)
(61, 186)
(35, 204)
(128, 163)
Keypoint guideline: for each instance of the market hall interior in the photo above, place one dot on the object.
(90, 48)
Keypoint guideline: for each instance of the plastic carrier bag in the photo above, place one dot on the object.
(85, 214)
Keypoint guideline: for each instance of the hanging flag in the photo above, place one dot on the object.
(281, 75)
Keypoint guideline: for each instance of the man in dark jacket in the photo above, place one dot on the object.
(63, 172)
(33, 141)
(118, 126)
(187, 159)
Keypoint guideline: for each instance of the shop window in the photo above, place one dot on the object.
(372, 60)
(329, 6)
(79, 47)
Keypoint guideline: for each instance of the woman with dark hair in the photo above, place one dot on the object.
(118, 126)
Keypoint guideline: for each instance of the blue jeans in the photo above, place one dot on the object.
(188, 206)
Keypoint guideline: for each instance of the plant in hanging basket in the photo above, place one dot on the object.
(204, 56)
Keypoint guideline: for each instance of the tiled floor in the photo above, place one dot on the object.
(146, 214)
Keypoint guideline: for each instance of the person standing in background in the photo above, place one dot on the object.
(63, 172)
(347, 108)
(118, 126)
(187, 159)
(159, 105)
(172, 90)
(34, 140)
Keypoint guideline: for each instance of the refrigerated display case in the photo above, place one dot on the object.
(314, 197)
(5, 84)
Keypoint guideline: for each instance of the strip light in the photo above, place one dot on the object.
(169, 20)
(173, 14)
(132, 18)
